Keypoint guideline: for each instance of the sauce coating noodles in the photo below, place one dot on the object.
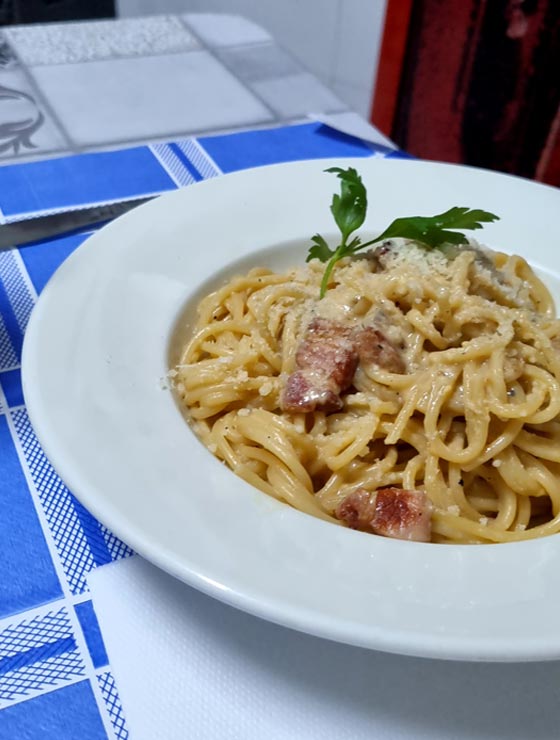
(473, 420)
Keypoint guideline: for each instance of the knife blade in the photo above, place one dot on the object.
(20, 233)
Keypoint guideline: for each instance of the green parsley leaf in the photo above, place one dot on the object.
(350, 207)
(320, 250)
(349, 211)
(434, 230)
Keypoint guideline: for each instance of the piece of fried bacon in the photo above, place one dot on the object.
(326, 361)
(391, 512)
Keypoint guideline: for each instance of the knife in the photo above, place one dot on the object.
(20, 233)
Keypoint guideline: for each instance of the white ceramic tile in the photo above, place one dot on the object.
(297, 95)
(147, 97)
(66, 43)
(358, 42)
(218, 30)
(356, 97)
(306, 28)
(25, 127)
(258, 62)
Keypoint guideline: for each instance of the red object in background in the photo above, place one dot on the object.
(473, 81)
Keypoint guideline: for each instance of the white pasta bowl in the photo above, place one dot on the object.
(97, 351)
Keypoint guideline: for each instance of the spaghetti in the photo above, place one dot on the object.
(471, 418)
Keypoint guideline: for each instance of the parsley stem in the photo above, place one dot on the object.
(368, 244)
(339, 252)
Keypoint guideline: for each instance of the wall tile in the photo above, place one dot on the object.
(358, 41)
(356, 97)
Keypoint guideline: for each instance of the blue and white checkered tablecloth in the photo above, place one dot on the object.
(55, 676)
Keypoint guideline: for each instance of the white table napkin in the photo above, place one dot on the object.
(352, 124)
(188, 666)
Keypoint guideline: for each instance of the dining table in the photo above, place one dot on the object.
(95, 642)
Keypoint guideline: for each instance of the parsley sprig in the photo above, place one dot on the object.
(349, 211)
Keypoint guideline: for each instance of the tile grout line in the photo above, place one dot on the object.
(276, 118)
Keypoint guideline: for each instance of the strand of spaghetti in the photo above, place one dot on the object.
(219, 443)
(455, 480)
(216, 395)
(236, 304)
(214, 330)
(497, 386)
(423, 323)
(262, 302)
(450, 527)
(507, 503)
(256, 480)
(282, 483)
(494, 447)
(443, 525)
(433, 480)
(285, 485)
(263, 428)
(442, 383)
(546, 448)
(411, 402)
(516, 475)
(478, 348)
(340, 449)
(545, 477)
(289, 343)
(414, 471)
(514, 265)
(477, 420)
(542, 384)
(216, 300)
(538, 339)
(459, 278)
(507, 499)
(523, 513)
(271, 354)
(412, 434)
(378, 475)
(551, 388)
(212, 370)
(456, 487)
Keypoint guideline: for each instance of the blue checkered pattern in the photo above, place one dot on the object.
(8, 357)
(37, 655)
(54, 670)
(113, 704)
